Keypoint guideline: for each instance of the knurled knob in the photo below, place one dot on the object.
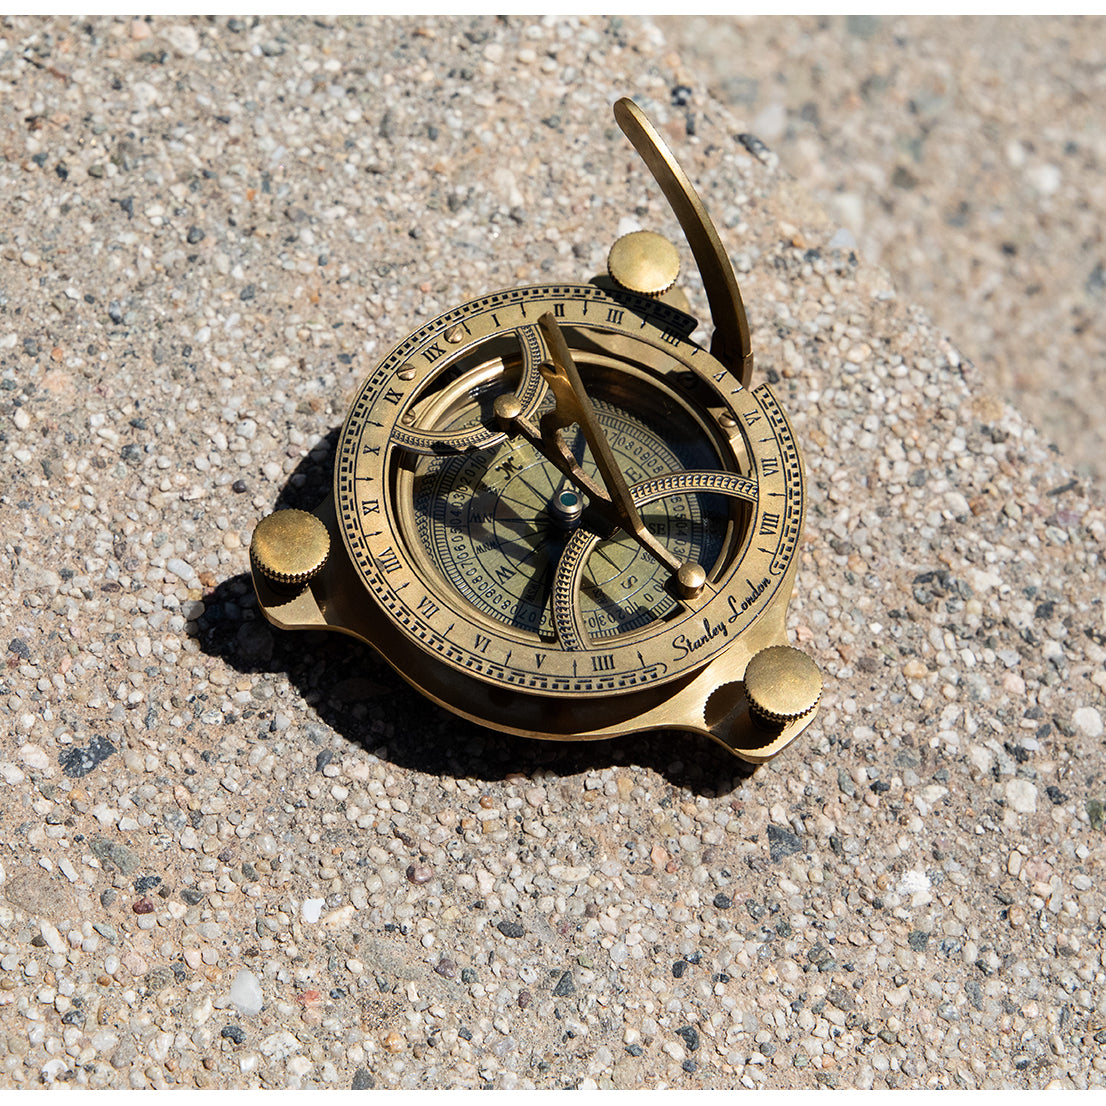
(644, 262)
(782, 684)
(290, 546)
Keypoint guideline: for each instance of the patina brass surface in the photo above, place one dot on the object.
(645, 262)
(782, 684)
(556, 515)
(290, 546)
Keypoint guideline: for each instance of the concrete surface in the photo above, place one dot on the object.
(965, 155)
(234, 857)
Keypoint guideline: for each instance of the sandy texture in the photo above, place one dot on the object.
(966, 156)
(238, 857)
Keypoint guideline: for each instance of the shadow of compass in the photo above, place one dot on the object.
(359, 696)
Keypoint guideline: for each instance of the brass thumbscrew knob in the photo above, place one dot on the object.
(644, 262)
(781, 685)
(290, 547)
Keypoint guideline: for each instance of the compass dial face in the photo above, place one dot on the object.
(468, 539)
(495, 522)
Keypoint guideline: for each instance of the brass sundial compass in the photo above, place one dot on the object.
(557, 515)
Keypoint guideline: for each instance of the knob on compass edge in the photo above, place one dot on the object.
(290, 546)
(782, 684)
(644, 262)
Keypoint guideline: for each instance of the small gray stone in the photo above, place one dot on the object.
(782, 842)
(125, 1054)
(115, 852)
(78, 761)
(690, 1037)
(566, 985)
(842, 998)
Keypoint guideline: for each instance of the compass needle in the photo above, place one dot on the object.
(556, 515)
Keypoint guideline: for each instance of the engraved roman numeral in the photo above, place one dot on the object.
(670, 336)
(614, 316)
(370, 506)
(769, 524)
(433, 352)
(427, 607)
(388, 560)
(769, 466)
(558, 310)
(392, 396)
(539, 659)
(373, 449)
(751, 417)
(602, 662)
(482, 643)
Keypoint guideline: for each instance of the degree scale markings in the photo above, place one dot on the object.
(447, 628)
(567, 615)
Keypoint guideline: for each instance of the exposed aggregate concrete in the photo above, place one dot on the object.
(236, 857)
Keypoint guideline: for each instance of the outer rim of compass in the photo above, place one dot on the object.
(353, 529)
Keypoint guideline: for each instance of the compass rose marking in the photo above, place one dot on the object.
(647, 624)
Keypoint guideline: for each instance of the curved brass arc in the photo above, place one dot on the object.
(730, 342)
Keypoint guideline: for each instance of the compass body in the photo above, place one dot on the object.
(556, 514)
